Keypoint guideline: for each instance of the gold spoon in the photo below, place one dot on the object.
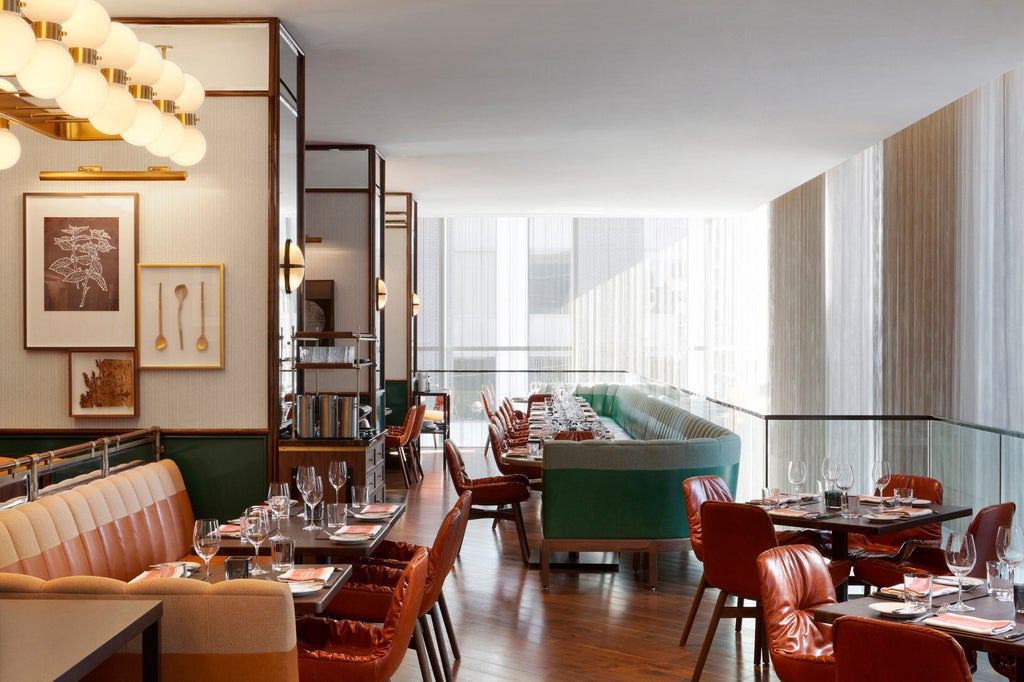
(181, 291)
(161, 340)
(201, 343)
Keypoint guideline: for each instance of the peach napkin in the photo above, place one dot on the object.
(379, 509)
(904, 512)
(937, 590)
(978, 626)
(179, 572)
(795, 513)
(304, 575)
(230, 529)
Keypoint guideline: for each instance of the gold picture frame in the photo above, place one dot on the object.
(103, 383)
(180, 316)
(80, 252)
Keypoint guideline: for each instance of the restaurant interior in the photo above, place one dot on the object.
(700, 314)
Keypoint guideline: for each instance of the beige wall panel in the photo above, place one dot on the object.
(219, 215)
(396, 320)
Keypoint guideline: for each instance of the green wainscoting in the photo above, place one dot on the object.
(223, 473)
(395, 393)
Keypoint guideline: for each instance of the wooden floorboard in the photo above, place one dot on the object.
(587, 626)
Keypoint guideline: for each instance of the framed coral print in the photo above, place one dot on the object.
(103, 383)
(181, 316)
(80, 255)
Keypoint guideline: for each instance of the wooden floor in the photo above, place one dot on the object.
(587, 626)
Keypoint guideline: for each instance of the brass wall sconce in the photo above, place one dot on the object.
(293, 266)
(382, 294)
(96, 173)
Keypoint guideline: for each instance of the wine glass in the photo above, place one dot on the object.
(844, 481)
(312, 492)
(881, 475)
(206, 541)
(337, 474)
(303, 475)
(255, 527)
(1010, 547)
(960, 557)
(797, 474)
(279, 500)
(829, 471)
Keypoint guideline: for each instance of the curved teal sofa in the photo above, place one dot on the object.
(626, 494)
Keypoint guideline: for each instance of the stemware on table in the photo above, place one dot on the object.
(881, 474)
(1010, 547)
(829, 471)
(844, 482)
(279, 500)
(960, 557)
(337, 475)
(797, 474)
(312, 489)
(255, 527)
(206, 541)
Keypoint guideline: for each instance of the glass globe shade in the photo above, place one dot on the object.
(192, 150)
(7, 86)
(147, 126)
(118, 112)
(17, 42)
(57, 11)
(89, 26)
(191, 97)
(87, 94)
(50, 71)
(172, 135)
(121, 48)
(10, 149)
(148, 67)
(171, 83)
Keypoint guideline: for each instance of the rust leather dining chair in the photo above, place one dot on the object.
(354, 651)
(916, 557)
(499, 448)
(397, 440)
(696, 491)
(888, 544)
(367, 594)
(494, 497)
(794, 582)
(880, 651)
(734, 535)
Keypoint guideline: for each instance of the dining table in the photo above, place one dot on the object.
(317, 545)
(816, 516)
(307, 601)
(985, 606)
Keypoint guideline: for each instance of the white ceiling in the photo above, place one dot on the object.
(624, 107)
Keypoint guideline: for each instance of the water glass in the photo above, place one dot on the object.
(1018, 597)
(770, 497)
(360, 497)
(284, 555)
(917, 590)
(904, 497)
(337, 515)
(998, 575)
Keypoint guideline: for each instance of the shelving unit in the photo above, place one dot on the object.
(364, 455)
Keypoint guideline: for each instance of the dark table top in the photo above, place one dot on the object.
(836, 523)
(315, 602)
(984, 607)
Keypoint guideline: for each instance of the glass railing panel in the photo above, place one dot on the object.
(1011, 483)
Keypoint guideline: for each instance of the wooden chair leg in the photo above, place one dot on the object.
(652, 568)
(405, 466)
(701, 587)
(545, 568)
(435, 621)
(428, 643)
(758, 638)
(449, 628)
(524, 546)
(710, 636)
(421, 651)
(739, 619)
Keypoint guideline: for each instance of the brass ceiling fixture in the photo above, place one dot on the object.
(74, 66)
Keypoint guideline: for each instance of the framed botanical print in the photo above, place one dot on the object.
(103, 383)
(80, 254)
(181, 316)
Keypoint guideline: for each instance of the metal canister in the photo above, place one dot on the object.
(348, 409)
(328, 415)
(305, 416)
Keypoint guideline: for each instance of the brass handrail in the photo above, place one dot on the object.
(31, 467)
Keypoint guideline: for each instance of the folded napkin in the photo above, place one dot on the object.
(795, 513)
(358, 530)
(904, 512)
(380, 509)
(305, 575)
(871, 499)
(783, 499)
(176, 570)
(978, 626)
(937, 590)
(230, 529)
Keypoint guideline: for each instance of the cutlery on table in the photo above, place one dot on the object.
(161, 340)
(1014, 635)
(181, 291)
(201, 343)
(939, 611)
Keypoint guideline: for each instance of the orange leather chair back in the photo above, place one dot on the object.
(456, 467)
(496, 432)
(794, 582)
(417, 424)
(734, 536)
(869, 649)
(488, 410)
(924, 488)
(698, 490)
(376, 650)
(574, 435)
(445, 549)
(984, 527)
